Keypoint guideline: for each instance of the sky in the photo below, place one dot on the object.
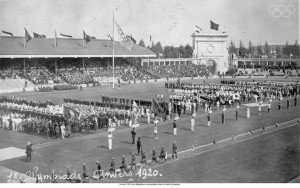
(171, 22)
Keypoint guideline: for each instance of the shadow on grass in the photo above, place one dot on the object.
(23, 159)
(147, 137)
(167, 133)
(185, 129)
(103, 146)
(126, 142)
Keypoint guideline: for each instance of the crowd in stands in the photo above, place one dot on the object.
(40, 76)
(76, 77)
(174, 71)
(133, 73)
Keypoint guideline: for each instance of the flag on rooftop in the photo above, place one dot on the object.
(198, 29)
(35, 35)
(214, 26)
(110, 37)
(124, 39)
(7, 33)
(27, 36)
(68, 36)
(87, 38)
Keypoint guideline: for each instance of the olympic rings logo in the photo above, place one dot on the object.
(281, 10)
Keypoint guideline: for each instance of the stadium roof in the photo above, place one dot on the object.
(13, 47)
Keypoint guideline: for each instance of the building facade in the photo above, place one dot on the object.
(211, 48)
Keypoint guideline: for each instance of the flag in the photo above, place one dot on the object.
(92, 110)
(27, 36)
(55, 39)
(68, 36)
(7, 33)
(198, 29)
(87, 38)
(132, 39)
(134, 105)
(214, 26)
(35, 35)
(125, 40)
(150, 38)
(112, 39)
(160, 54)
(156, 107)
(70, 114)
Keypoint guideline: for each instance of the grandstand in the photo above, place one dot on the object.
(47, 61)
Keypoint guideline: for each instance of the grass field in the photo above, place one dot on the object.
(256, 160)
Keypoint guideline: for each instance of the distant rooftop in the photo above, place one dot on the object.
(13, 47)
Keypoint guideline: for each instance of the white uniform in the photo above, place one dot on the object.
(248, 112)
(193, 124)
(110, 137)
(63, 133)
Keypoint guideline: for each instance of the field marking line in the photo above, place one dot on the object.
(224, 145)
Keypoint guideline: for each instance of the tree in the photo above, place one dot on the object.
(232, 49)
(158, 48)
(188, 51)
(259, 50)
(167, 52)
(278, 52)
(182, 51)
(286, 51)
(142, 43)
(250, 49)
(267, 49)
(295, 50)
(242, 49)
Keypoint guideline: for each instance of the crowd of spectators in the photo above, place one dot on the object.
(174, 71)
(77, 77)
(40, 76)
(133, 73)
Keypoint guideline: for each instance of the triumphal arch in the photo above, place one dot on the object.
(211, 48)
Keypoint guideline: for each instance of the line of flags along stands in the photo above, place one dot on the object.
(126, 40)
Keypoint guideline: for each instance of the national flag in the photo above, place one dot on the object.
(87, 38)
(55, 39)
(160, 54)
(110, 37)
(132, 39)
(214, 26)
(134, 105)
(68, 36)
(198, 29)
(7, 33)
(92, 110)
(35, 35)
(291, 55)
(125, 40)
(150, 38)
(27, 36)
(156, 107)
(70, 114)
(222, 100)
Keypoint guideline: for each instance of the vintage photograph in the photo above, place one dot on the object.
(149, 92)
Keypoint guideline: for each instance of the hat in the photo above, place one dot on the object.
(97, 162)
(28, 143)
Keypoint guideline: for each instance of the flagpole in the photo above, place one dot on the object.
(113, 56)
(55, 40)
